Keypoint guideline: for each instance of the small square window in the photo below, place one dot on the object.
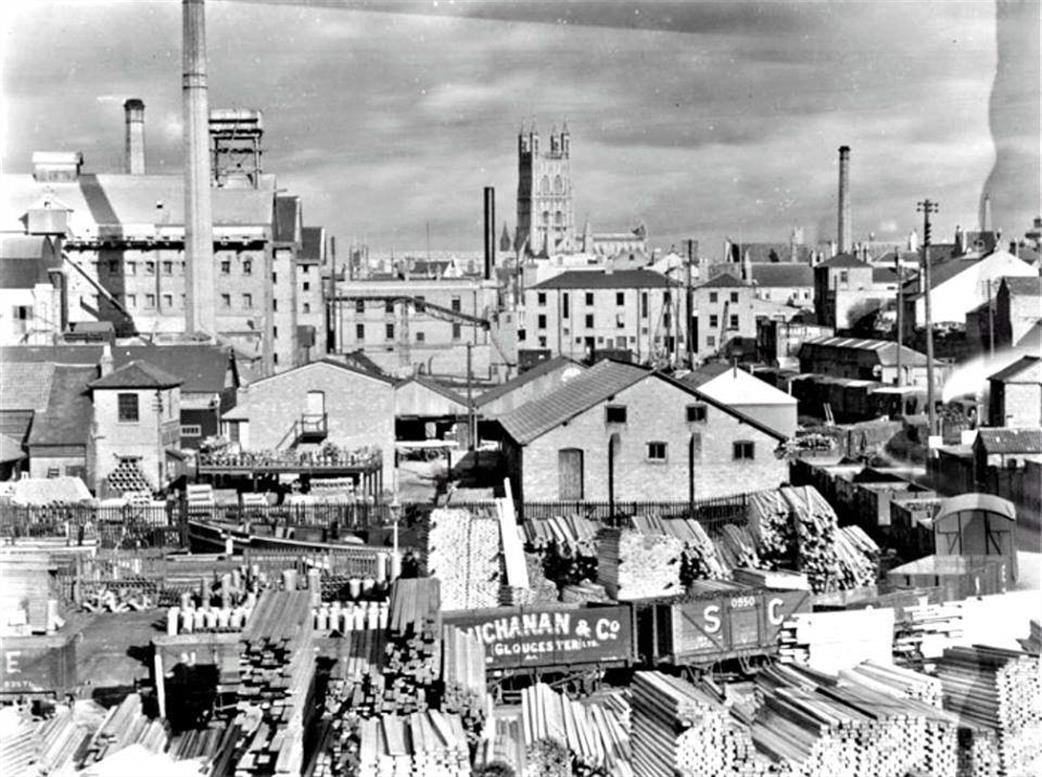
(274, 358)
(128, 408)
(132, 300)
(620, 298)
(168, 268)
(274, 332)
(589, 321)
(734, 296)
(589, 298)
(457, 331)
(359, 306)
(540, 298)
(520, 334)
(226, 300)
(744, 450)
(247, 267)
(541, 322)
(226, 267)
(421, 337)
(389, 331)
(247, 301)
(306, 286)
(578, 339)
(307, 269)
(389, 307)
(542, 342)
(734, 321)
(713, 296)
(359, 331)
(711, 341)
(131, 268)
(714, 320)
(456, 305)
(696, 413)
(620, 321)
(274, 277)
(615, 414)
(150, 301)
(150, 268)
(844, 277)
(274, 305)
(306, 307)
(600, 340)
(656, 451)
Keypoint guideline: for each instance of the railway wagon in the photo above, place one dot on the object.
(704, 629)
(37, 666)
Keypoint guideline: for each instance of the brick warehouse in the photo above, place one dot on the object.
(624, 432)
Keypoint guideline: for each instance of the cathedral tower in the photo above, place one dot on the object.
(545, 216)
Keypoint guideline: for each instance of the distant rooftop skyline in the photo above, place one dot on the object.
(383, 122)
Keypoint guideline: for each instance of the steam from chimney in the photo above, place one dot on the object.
(134, 148)
(843, 231)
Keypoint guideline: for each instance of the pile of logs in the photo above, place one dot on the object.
(464, 690)
(632, 565)
(999, 690)
(795, 528)
(423, 744)
(700, 560)
(567, 547)
(52, 746)
(413, 661)
(463, 552)
(679, 728)
(593, 734)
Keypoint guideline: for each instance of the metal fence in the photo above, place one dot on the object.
(354, 515)
(709, 512)
(111, 527)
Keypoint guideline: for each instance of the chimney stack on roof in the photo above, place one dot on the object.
(844, 200)
(134, 148)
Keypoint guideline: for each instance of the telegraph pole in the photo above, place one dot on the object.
(927, 208)
(900, 316)
(689, 302)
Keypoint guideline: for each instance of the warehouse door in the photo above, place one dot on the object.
(570, 474)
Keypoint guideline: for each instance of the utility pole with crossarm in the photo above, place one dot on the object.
(928, 207)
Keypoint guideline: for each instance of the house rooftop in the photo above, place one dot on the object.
(1026, 369)
(841, 261)
(599, 279)
(66, 421)
(1010, 440)
(724, 281)
(543, 368)
(137, 374)
(886, 350)
(782, 275)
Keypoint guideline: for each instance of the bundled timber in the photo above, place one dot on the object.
(412, 664)
(463, 552)
(584, 592)
(1001, 691)
(464, 686)
(632, 565)
(777, 579)
(679, 728)
(356, 684)
(593, 734)
(427, 744)
(700, 560)
(567, 547)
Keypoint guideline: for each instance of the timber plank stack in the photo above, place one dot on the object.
(464, 682)
(427, 744)
(463, 552)
(632, 565)
(924, 631)
(678, 728)
(566, 545)
(413, 659)
(700, 558)
(125, 725)
(1001, 691)
(356, 683)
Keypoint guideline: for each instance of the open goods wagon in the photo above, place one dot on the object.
(703, 630)
(37, 666)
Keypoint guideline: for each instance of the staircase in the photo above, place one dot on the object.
(310, 427)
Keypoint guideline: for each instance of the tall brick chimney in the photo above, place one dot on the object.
(490, 231)
(134, 149)
(844, 200)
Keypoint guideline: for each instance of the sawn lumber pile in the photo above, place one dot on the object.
(51, 746)
(464, 688)
(632, 565)
(567, 547)
(700, 560)
(413, 663)
(356, 684)
(924, 631)
(999, 690)
(424, 744)
(593, 734)
(463, 552)
(125, 725)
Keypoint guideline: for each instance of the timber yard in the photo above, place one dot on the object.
(569, 504)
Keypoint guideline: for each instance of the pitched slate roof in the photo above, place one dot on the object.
(433, 385)
(1030, 287)
(10, 449)
(733, 386)
(137, 374)
(884, 275)
(329, 363)
(598, 279)
(723, 281)
(16, 423)
(544, 367)
(842, 260)
(67, 419)
(1026, 369)
(53, 354)
(201, 369)
(25, 385)
(782, 275)
(1007, 440)
(599, 383)
(886, 350)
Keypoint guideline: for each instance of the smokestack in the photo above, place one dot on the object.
(134, 149)
(844, 199)
(200, 307)
(986, 225)
(490, 231)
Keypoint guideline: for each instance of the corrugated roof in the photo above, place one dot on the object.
(782, 275)
(976, 501)
(136, 374)
(1026, 369)
(110, 200)
(66, 421)
(602, 380)
(1008, 440)
(544, 367)
(886, 350)
(598, 279)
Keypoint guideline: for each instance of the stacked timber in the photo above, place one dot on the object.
(126, 725)
(924, 631)
(464, 685)
(463, 552)
(736, 547)
(700, 560)
(593, 735)
(778, 579)
(212, 747)
(833, 640)
(1001, 691)
(679, 728)
(540, 589)
(584, 592)
(632, 565)
(277, 685)
(356, 684)
(412, 665)
(427, 744)
(567, 547)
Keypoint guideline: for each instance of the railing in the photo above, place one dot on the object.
(120, 527)
(347, 515)
(709, 512)
(362, 460)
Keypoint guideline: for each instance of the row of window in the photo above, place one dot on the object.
(741, 450)
(715, 297)
(620, 301)
(616, 414)
(455, 304)
(389, 330)
(620, 322)
(168, 266)
(732, 321)
(149, 301)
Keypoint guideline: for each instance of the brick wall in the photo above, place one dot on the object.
(656, 412)
(1021, 405)
(158, 427)
(360, 409)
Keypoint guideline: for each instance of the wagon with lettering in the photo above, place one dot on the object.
(564, 645)
(37, 666)
(705, 628)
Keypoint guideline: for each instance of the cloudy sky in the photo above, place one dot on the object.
(705, 120)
